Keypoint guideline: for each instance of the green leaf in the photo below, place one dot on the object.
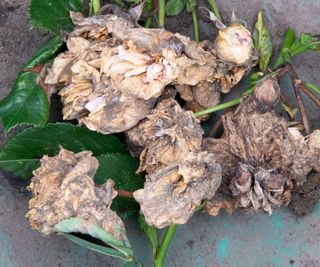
(22, 152)
(26, 103)
(262, 42)
(191, 4)
(92, 246)
(304, 43)
(53, 15)
(79, 225)
(150, 232)
(292, 47)
(175, 7)
(45, 52)
(121, 168)
(287, 42)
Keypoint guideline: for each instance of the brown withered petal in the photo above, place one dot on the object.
(165, 135)
(171, 194)
(63, 187)
(220, 202)
(206, 94)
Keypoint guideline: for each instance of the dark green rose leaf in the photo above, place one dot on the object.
(53, 15)
(262, 42)
(175, 7)
(45, 52)
(27, 103)
(22, 152)
(121, 168)
(191, 4)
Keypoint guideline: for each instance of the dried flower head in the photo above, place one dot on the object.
(63, 187)
(164, 136)
(171, 194)
(262, 156)
(113, 66)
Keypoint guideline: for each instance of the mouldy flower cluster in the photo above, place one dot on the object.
(262, 157)
(113, 71)
(114, 77)
(63, 188)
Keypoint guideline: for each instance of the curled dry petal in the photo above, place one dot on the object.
(63, 187)
(171, 194)
(164, 136)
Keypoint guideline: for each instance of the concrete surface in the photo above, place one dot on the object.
(238, 240)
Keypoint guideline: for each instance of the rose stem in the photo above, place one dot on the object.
(96, 6)
(148, 8)
(125, 194)
(310, 94)
(215, 9)
(195, 24)
(162, 252)
(296, 83)
(312, 87)
(222, 106)
(162, 12)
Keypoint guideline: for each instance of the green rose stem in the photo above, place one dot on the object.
(312, 87)
(215, 9)
(222, 106)
(96, 6)
(162, 12)
(162, 252)
(195, 24)
(148, 8)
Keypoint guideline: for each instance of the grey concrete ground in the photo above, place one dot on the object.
(280, 240)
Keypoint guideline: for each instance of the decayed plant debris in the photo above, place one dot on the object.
(171, 194)
(113, 71)
(63, 187)
(164, 136)
(269, 156)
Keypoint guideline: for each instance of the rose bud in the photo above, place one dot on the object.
(267, 91)
(234, 44)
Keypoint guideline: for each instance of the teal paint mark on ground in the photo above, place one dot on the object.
(277, 261)
(277, 220)
(223, 248)
(7, 255)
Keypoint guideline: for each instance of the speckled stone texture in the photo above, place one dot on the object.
(239, 240)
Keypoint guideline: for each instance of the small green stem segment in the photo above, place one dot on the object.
(312, 87)
(162, 12)
(195, 25)
(148, 8)
(162, 252)
(94, 6)
(222, 106)
(215, 9)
